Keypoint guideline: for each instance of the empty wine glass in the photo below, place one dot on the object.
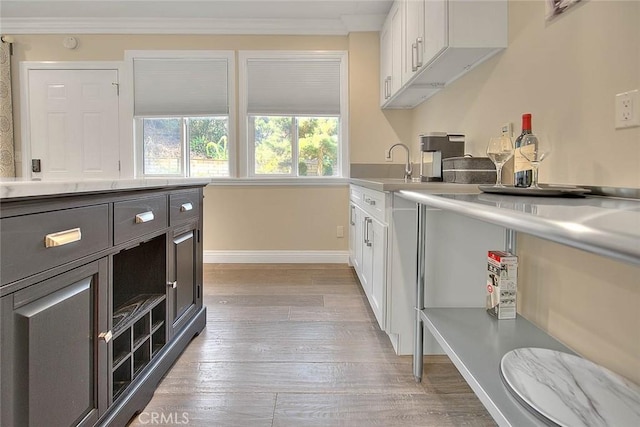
(500, 150)
(535, 148)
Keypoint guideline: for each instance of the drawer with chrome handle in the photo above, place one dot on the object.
(135, 218)
(184, 206)
(50, 239)
(374, 203)
(369, 201)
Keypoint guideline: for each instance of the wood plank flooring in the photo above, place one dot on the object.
(297, 345)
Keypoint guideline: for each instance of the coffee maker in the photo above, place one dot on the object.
(440, 145)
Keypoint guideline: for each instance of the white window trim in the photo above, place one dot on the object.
(128, 102)
(245, 149)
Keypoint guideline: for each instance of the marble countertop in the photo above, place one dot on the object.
(602, 225)
(397, 184)
(19, 189)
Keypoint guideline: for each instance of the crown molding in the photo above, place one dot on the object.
(191, 26)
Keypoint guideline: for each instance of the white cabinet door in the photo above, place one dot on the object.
(366, 271)
(436, 20)
(391, 55)
(378, 297)
(73, 123)
(396, 44)
(358, 227)
(386, 55)
(414, 38)
(353, 235)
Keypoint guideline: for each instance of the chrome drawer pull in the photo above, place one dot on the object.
(173, 284)
(370, 201)
(186, 207)
(62, 237)
(144, 217)
(105, 336)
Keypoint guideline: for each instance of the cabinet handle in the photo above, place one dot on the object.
(419, 52)
(367, 221)
(173, 284)
(351, 215)
(62, 237)
(389, 86)
(414, 51)
(186, 207)
(144, 217)
(105, 336)
(370, 201)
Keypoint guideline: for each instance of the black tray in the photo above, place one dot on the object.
(547, 190)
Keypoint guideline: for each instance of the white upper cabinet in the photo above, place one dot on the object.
(391, 41)
(442, 40)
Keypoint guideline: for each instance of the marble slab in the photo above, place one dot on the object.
(19, 188)
(568, 390)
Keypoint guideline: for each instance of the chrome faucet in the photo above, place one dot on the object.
(407, 166)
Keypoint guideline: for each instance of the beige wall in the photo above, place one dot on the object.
(239, 218)
(372, 130)
(566, 73)
(275, 218)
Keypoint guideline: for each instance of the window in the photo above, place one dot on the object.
(280, 142)
(166, 142)
(293, 107)
(182, 112)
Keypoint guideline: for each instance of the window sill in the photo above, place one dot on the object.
(280, 181)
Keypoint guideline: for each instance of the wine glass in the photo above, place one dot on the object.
(535, 148)
(500, 150)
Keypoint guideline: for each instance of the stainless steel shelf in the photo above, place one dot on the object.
(602, 225)
(476, 342)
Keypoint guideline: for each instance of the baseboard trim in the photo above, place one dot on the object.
(276, 257)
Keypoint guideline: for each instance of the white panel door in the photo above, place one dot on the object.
(73, 123)
(378, 299)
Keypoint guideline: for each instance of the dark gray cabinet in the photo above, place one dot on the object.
(185, 272)
(100, 294)
(53, 352)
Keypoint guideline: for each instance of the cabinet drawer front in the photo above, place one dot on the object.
(356, 194)
(373, 202)
(69, 234)
(134, 218)
(184, 206)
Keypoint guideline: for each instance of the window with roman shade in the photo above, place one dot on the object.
(182, 107)
(293, 107)
(180, 87)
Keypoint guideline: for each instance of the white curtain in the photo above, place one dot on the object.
(7, 166)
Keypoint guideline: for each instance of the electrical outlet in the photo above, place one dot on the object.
(388, 157)
(627, 109)
(340, 231)
(507, 129)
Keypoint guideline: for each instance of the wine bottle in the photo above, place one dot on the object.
(523, 172)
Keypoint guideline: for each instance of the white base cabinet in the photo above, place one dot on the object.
(368, 247)
(382, 250)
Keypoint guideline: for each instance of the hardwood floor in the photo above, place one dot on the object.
(297, 345)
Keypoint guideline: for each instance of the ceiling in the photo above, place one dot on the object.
(192, 16)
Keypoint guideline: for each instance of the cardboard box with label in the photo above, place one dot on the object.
(502, 284)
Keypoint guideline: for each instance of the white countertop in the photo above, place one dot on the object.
(19, 188)
(602, 225)
(397, 184)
